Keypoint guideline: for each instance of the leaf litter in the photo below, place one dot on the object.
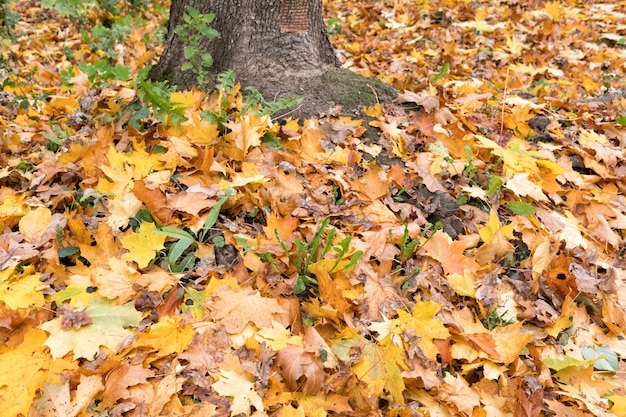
(459, 253)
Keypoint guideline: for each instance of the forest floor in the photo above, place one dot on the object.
(183, 254)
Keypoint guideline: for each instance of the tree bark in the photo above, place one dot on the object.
(278, 46)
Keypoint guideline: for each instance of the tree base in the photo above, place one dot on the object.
(323, 91)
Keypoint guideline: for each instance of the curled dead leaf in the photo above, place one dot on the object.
(301, 369)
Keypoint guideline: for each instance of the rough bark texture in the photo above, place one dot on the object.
(278, 46)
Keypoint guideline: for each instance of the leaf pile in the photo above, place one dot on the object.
(459, 254)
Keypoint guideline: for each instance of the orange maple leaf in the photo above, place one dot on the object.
(441, 248)
(235, 309)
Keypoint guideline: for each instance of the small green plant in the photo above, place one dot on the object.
(438, 76)
(102, 38)
(156, 95)
(8, 21)
(77, 10)
(91, 197)
(226, 81)
(307, 253)
(83, 10)
(409, 246)
(192, 33)
(101, 72)
(333, 25)
(255, 100)
(180, 255)
(497, 318)
(56, 138)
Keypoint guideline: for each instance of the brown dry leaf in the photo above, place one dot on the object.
(427, 99)
(301, 370)
(120, 379)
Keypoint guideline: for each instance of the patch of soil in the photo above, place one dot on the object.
(323, 91)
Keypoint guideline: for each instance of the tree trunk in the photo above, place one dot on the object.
(278, 46)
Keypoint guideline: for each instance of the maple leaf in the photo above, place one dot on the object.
(21, 379)
(441, 248)
(242, 391)
(23, 289)
(458, 391)
(122, 208)
(168, 336)
(107, 329)
(120, 379)
(320, 405)
(496, 240)
(247, 132)
(522, 186)
(235, 309)
(378, 364)
(424, 325)
(278, 337)
(143, 245)
(39, 226)
(117, 281)
(56, 400)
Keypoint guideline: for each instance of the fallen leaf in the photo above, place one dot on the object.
(241, 390)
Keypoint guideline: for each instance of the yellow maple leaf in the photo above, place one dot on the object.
(496, 240)
(248, 130)
(278, 337)
(493, 226)
(464, 285)
(320, 405)
(517, 160)
(200, 131)
(122, 208)
(143, 245)
(12, 208)
(424, 325)
(22, 289)
(379, 364)
(242, 391)
(169, 335)
(61, 105)
(522, 186)
(554, 10)
(21, 378)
